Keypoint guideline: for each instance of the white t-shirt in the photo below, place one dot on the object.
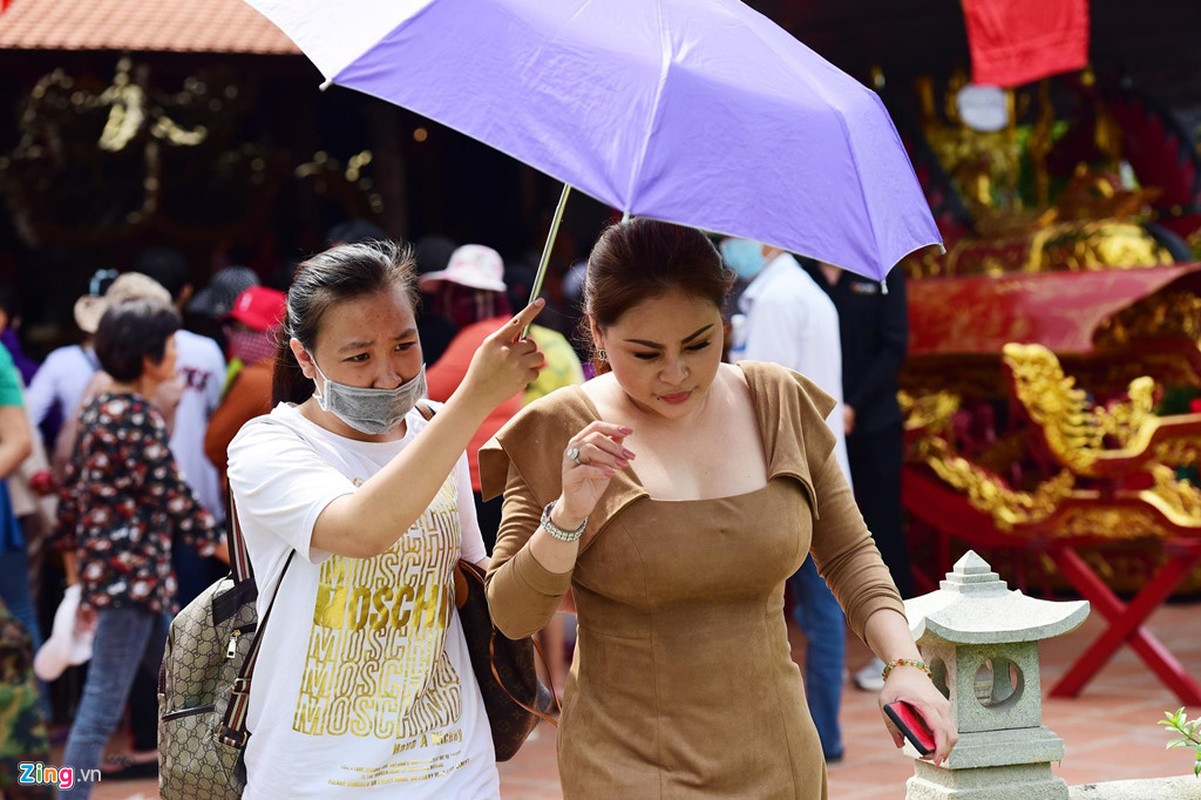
(363, 687)
(790, 321)
(201, 366)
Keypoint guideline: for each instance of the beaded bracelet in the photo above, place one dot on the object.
(557, 532)
(905, 662)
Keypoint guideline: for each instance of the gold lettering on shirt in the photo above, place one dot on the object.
(375, 665)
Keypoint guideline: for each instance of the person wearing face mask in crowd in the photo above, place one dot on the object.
(675, 495)
(252, 326)
(363, 506)
(472, 292)
(788, 320)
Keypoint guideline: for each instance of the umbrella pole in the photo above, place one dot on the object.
(550, 241)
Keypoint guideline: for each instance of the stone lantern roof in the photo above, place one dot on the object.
(974, 607)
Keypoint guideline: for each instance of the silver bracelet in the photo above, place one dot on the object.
(557, 532)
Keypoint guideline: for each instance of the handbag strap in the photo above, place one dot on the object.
(233, 728)
(554, 696)
(427, 412)
(239, 557)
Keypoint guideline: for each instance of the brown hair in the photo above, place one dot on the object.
(643, 258)
(340, 273)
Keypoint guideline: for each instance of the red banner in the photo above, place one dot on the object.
(1018, 41)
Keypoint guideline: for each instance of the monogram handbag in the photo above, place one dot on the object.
(204, 684)
(513, 696)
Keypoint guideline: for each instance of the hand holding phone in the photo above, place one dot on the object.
(911, 724)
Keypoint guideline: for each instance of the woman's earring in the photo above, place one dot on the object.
(602, 355)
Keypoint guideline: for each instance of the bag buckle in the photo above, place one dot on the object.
(240, 686)
(233, 738)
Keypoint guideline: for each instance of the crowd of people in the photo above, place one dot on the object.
(583, 473)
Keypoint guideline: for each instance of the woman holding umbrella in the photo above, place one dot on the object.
(681, 495)
(371, 691)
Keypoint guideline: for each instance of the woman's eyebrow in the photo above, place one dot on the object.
(359, 344)
(685, 340)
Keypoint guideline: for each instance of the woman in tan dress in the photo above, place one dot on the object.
(675, 494)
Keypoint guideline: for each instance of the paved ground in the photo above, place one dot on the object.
(1109, 731)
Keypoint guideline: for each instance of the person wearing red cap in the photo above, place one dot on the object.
(252, 325)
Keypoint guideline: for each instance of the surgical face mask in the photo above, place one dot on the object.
(368, 410)
(744, 257)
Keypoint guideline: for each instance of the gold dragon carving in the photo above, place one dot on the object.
(1076, 432)
(931, 416)
(986, 492)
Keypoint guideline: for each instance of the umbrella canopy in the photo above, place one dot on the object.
(699, 112)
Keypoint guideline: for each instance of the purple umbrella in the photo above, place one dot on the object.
(699, 112)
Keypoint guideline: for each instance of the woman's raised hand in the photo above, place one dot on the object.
(592, 457)
(505, 363)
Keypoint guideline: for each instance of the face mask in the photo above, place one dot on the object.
(368, 410)
(251, 346)
(744, 257)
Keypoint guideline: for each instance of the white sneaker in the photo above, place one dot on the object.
(870, 678)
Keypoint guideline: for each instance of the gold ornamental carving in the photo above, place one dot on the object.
(1179, 451)
(1090, 442)
(1076, 433)
(1179, 501)
(931, 413)
(986, 492)
(1172, 313)
(1118, 524)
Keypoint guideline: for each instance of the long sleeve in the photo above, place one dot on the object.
(845, 553)
(801, 444)
(66, 522)
(522, 594)
(185, 514)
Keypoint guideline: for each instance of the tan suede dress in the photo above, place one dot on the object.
(682, 684)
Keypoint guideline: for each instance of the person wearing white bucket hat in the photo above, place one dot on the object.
(471, 291)
(473, 265)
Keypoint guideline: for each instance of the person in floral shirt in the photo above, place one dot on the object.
(122, 501)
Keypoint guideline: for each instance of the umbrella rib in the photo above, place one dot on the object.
(867, 206)
(654, 113)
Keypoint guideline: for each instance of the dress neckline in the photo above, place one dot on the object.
(594, 412)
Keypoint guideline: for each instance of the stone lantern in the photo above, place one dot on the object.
(981, 642)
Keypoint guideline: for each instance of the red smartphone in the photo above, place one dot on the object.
(910, 723)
